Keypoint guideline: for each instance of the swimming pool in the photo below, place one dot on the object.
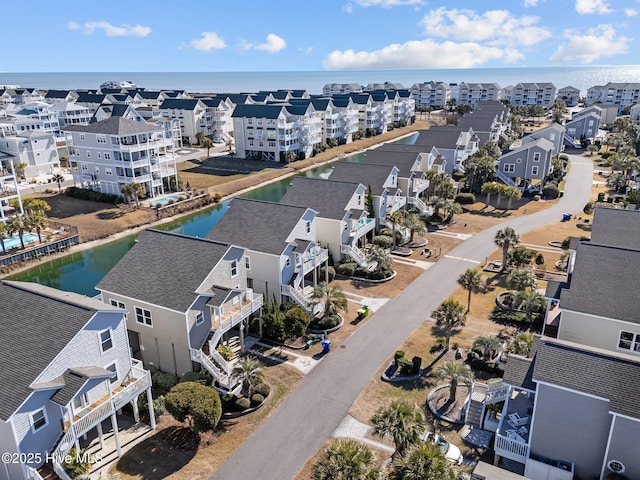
(165, 200)
(14, 241)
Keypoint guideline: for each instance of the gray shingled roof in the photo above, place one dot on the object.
(439, 137)
(164, 269)
(327, 197)
(592, 371)
(403, 160)
(115, 126)
(38, 323)
(519, 372)
(257, 225)
(179, 103)
(250, 110)
(616, 227)
(366, 174)
(604, 283)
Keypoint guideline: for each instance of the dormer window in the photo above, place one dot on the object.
(308, 227)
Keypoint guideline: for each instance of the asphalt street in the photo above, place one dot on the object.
(293, 433)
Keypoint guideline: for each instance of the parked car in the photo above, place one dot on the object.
(450, 451)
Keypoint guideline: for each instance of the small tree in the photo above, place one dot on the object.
(521, 257)
(424, 461)
(471, 281)
(521, 279)
(449, 315)
(58, 179)
(195, 403)
(489, 188)
(415, 225)
(530, 302)
(3, 235)
(206, 143)
(521, 345)
(249, 371)
(347, 459)
(455, 373)
(381, 258)
(296, 321)
(77, 463)
(332, 297)
(394, 218)
(488, 345)
(401, 421)
(505, 238)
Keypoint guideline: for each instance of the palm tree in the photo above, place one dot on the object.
(501, 190)
(4, 233)
(521, 279)
(133, 191)
(450, 314)
(126, 191)
(395, 219)
(529, 302)
(38, 220)
(414, 224)
(505, 238)
(17, 224)
(199, 137)
(347, 459)
(32, 205)
(381, 258)
(489, 188)
(332, 297)
(207, 143)
(401, 421)
(58, 179)
(521, 345)
(455, 373)
(512, 193)
(249, 372)
(488, 345)
(425, 461)
(471, 281)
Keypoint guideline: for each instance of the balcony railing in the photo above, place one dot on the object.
(252, 303)
(361, 227)
(511, 449)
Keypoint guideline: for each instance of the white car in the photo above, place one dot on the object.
(450, 451)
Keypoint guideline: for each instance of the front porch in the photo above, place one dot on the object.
(512, 436)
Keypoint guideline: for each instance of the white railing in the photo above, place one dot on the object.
(315, 260)
(200, 357)
(297, 295)
(93, 418)
(512, 449)
(219, 360)
(360, 227)
(419, 204)
(574, 143)
(356, 254)
(60, 471)
(234, 318)
(505, 179)
(131, 391)
(33, 474)
(496, 392)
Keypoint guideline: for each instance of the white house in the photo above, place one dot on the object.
(431, 94)
(66, 369)
(541, 93)
(8, 186)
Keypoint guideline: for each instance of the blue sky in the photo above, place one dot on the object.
(275, 35)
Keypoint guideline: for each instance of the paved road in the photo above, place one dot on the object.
(280, 447)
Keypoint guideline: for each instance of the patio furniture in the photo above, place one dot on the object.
(523, 431)
(516, 420)
(513, 435)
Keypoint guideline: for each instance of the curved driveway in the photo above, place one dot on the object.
(293, 433)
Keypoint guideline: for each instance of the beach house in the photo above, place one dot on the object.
(530, 162)
(454, 144)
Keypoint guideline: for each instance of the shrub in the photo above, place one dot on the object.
(361, 272)
(203, 378)
(263, 389)
(199, 405)
(564, 157)
(397, 356)
(242, 403)
(457, 175)
(327, 323)
(159, 405)
(588, 208)
(347, 269)
(164, 381)
(550, 191)
(416, 364)
(389, 233)
(228, 400)
(436, 218)
(225, 351)
(405, 366)
(77, 463)
(536, 198)
(327, 272)
(383, 241)
(217, 197)
(92, 195)
(376, 276)
(465, 198)
(256, 399)
(296, 321)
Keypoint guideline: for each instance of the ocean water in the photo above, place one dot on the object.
(581, 77)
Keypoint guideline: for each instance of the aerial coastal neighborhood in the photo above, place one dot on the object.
(473, 245)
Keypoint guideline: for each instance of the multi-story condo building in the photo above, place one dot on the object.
(8, 186)
(621, 95)
(91, 100)
(472, 93)
(276, 132)
(569, 95)
(79, 375)
(192, 115)
(34, 116)
(338, 124)
(56, 96)
(489, 121)
(171, 126)
(431, 94)
(542, 94)
(583, 125)
(455, 144)
(108, 154)
(36, 152)
(70, 113)
(218, 117)
(20, 95)
(370, 87)
(283, 253)
(331, 89)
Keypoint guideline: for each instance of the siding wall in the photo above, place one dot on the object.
(624, 446)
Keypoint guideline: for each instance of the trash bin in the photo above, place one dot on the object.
(326, 345)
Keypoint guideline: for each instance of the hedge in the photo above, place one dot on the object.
(263, 389)
(465, 198)
(92, 195)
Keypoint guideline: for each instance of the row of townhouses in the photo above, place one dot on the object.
(570, 408)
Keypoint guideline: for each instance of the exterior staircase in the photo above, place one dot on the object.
(356, 254)
(571, 142)
(475, 409)
(505, 179)
(420, 205)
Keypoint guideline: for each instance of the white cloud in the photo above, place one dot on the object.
(387, 3)
(496, 27)
(530, 3)
(420, 54)
(598, 42)
(306, 51)
(208, 42)
(273, 44)
(122, 30)
(587, 7)
(630, 12)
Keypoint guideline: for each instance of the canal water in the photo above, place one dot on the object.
(80, 272)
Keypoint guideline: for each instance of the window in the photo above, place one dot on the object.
(143, 316)
(199, 318)
(88, 154)
(234, 268)
(117, 304)
(629, 341)
(106, 342)
(359, 200)
(107, 156)
(38, 420)
(308, 227)
(101, 139)
(99, 155)
(534, 170)
(112, 368)
(536, 157)
(247, 262)
(84, 166)
(108, 171)
(82, 136)
(509, 168)
(288, 263)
